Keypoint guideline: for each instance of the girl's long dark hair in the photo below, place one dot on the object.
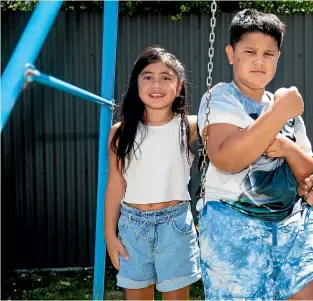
(132, 109)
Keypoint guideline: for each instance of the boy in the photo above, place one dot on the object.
(255, 234)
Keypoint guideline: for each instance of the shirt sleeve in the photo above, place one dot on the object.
(224, 108)
(302, 139)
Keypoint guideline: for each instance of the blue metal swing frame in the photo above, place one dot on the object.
(20, 68)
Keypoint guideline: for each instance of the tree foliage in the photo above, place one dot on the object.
(176, 9)
(280, 7)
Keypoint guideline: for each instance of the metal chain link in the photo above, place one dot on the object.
(208, 97)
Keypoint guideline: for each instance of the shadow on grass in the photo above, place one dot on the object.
(67, 285)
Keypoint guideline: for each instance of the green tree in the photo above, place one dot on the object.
(176, 9)
(280, 7)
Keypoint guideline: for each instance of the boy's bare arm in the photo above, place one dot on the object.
(299, 161)
(306, 189)
(231, 149)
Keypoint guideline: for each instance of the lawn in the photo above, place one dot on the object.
(66, 285)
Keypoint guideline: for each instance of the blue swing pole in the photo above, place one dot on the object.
(52, 82)
(110, 24)
(26, 51)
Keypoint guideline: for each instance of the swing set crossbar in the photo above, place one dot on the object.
(50, 81)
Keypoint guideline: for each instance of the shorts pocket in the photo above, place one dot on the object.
(183, 223)
(122, 225)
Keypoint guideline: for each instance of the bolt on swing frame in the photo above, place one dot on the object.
(20, 67)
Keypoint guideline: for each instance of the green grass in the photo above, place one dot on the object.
(72, 285)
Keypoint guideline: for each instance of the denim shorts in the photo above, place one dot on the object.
(246, 258)
(162, 247)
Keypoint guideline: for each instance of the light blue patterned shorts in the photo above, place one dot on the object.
(246, 258)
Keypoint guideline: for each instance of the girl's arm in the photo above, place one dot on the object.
(114, 191)
(192, 120)
(114, 195)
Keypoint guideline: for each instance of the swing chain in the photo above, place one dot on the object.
(208, 97)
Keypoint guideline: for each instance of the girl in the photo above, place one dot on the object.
(149, 169)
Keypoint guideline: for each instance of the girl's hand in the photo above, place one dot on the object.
(305, 189)
(115, 247)
(279, 147)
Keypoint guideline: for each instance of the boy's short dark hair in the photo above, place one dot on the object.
(251, 20)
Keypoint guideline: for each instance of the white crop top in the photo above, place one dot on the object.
(158, 170)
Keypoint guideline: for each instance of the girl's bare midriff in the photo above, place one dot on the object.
(155, 206)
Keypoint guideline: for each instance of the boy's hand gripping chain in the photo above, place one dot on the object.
(208, 97)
